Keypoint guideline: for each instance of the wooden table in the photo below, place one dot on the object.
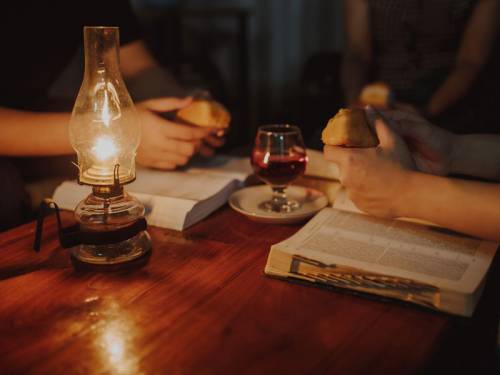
(202, 305)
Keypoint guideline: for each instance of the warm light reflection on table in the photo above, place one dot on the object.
(114, 340)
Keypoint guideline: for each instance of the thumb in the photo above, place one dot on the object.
(385, 134)
(166, 104)
(380, 124)
(338, 155)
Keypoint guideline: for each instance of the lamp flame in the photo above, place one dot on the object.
(104, 149)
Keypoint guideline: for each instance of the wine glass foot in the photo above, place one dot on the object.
(283, 207)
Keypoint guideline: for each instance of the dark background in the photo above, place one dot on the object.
(268, 61)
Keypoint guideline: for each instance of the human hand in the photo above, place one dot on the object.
(216, 139)
(431, 147)
(210, 143)
(406, 107)
(166, 144)
(375, 178)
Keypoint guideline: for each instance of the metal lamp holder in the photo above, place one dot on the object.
(74, 235)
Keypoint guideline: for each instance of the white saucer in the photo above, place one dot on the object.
(246, 201)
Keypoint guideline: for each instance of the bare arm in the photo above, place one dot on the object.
(357, 54)
(25, 133)
(164, 144)
(382, 182)
(438, 151)
(472, 55)
(465, 206)
(146, 79)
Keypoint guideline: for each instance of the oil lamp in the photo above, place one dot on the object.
(105, 132)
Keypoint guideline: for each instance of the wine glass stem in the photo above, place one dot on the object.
(279, 197)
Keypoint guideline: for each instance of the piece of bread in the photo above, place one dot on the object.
(205, 113)
(350, 128)
(376, 94)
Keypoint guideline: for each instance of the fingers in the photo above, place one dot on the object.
(184, 148)
(405, 123)
(339, 155)
(167, 153)
(189, 149)
(164, 165)
(206, 151)
(162, 160)
(381, 126)
(214, 141)
(385, 134)
(171, 129)
(402, 116)
(165, 104)
(172, 158)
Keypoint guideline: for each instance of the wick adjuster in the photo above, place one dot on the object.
(74, 235)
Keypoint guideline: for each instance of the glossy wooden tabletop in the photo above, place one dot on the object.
(201, 305)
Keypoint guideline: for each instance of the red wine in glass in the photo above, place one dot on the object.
(278, 170)
(278, 158)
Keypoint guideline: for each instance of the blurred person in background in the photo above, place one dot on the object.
(39, 39)
(438, 57)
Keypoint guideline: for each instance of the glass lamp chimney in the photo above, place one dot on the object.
(104, 128)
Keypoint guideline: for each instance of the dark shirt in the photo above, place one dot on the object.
(416, 39)
(39, 38)
(415, 47)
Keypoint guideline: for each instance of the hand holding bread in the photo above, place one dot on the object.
(205, 113)
(377, 95)
(349, 128)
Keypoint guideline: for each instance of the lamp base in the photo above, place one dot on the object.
(102, 211)
(120, 252)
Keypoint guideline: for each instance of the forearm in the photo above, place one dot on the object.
(455, 87)
(353, 77)
(24, 133)
(476, 155)
(469, 207)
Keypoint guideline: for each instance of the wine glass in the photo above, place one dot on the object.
(278, 158)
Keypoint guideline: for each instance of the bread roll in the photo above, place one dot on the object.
(205, 113)
(349, 128)
(377, 95)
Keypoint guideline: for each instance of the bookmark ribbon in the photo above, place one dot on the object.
(354, 279)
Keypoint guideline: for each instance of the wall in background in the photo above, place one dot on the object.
(284, 34)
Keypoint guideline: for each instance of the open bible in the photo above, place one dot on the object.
(175, 199)
(417, 263)
(179, 199)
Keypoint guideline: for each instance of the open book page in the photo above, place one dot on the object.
(426, 255)
(179, 185)
(223, 165)
(191, 185)
(177, 213)
(173, 199)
